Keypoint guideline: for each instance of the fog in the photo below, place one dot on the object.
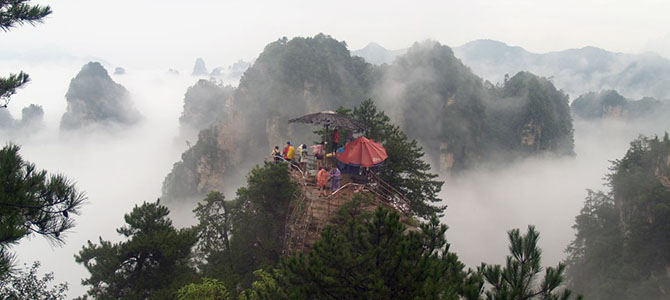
(116, 167)
(547, 192)
(121, 167)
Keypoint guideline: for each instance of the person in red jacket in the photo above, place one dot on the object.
(335, 138)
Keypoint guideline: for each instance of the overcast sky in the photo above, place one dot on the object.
(170, 33)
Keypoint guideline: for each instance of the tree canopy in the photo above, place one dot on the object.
(13, 14)
(621, 248)
(32, 202)
(152, 263)
(405, 168)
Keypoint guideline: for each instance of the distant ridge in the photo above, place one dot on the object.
(576, 71)
(377, 54)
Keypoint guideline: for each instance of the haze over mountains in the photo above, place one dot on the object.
(576, 71)
(426, 84)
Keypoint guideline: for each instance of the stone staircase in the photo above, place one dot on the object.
(311, 213)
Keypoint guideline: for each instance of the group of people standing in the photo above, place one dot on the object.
(324, 176)
(299, 157)
(291, 155)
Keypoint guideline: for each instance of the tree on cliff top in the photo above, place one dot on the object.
(241, 236)
(12, 14)
(404, 169)
(622, 246)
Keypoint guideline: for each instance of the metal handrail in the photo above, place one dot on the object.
(393, 193)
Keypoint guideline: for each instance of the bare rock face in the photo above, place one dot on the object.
(662, 171)
(208, 164)
(201, 169)
(94, 98)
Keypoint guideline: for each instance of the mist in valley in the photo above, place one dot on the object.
(119, 165)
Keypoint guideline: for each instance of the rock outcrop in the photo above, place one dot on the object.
(459, 120)
(32, 119)
(204, 103)
(610, 104)
(199, 68)
(94, 98)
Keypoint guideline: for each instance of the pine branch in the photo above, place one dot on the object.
(9, 85)
(14, 13)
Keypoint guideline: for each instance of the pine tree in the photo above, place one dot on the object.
(151, 264)
(517, 279)
(15, 13)
(209, 289)
(372, 256)
(31, 202)
(404, 169)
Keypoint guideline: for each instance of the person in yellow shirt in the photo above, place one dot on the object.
(290, 152)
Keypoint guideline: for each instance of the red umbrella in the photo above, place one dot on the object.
(363, 152)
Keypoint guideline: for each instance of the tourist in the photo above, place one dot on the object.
(334, 138)
(321, 181)
(334, 178)
(318, 152)
(302, 157)
(276, 155)
(290, 152)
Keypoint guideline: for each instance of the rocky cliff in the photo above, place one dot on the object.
(94, 98)
(460, 120)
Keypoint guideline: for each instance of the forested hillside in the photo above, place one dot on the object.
(290, 78)
(460, 121)
(622, 245)
(466, 122)
(611, 105)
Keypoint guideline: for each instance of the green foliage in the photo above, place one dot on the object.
(214, 224)
(517, 279)
(448, 109)
(404, 169)
(12, 14)
(152, 263)
(544, 115)
(621, 249)
(295, 77)
(374, 257)
(27, 285)
(209, 289)
(266, 287)
(253, 223)
(31, 202)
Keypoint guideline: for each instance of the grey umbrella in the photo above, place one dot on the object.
(329, 119)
